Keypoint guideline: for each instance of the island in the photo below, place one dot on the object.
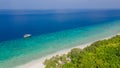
(100, 54)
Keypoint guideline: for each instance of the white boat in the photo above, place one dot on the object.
(27, 35)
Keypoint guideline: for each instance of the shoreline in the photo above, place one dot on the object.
(39, 62)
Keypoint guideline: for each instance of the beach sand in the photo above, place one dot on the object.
(39, 63)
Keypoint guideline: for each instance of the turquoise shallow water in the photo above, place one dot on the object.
(20, 51)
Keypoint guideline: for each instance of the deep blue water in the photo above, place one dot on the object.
(14, 24)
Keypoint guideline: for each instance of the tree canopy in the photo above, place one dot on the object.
(100, 54)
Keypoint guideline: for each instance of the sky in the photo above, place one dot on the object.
(59, 4)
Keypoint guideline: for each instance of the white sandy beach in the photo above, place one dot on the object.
(39, 63)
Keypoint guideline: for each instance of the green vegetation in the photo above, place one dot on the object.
(100, 54)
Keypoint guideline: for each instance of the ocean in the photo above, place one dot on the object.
(52, 31)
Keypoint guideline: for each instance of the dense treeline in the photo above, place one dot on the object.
(100, 54)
